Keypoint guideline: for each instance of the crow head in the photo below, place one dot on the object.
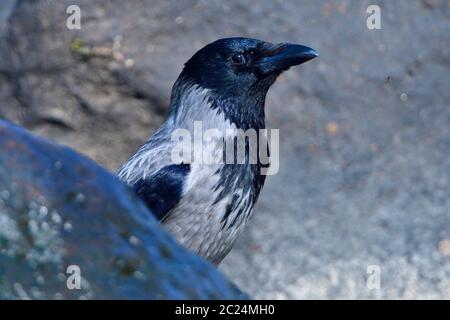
(237, 67)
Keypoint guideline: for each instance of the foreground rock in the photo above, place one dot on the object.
(364, 138)
(58, 209)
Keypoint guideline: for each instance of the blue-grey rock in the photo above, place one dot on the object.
(364, 129)
(60, 209)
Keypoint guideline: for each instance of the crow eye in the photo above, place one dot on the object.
(238, 58)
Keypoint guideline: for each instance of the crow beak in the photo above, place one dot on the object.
(281, 57)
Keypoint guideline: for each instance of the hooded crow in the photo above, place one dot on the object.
(223, 87)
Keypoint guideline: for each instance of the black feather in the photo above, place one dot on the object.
(162, 191)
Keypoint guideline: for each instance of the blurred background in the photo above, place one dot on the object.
(364, 174)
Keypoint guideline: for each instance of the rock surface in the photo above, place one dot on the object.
(59, 209)
(364, 130)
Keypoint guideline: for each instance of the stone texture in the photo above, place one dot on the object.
(59, 209)
(364, 129)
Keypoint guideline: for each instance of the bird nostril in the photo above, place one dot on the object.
(274, 49)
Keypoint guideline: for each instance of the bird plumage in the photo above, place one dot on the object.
(223, 86)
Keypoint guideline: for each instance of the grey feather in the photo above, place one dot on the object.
(203, 205)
